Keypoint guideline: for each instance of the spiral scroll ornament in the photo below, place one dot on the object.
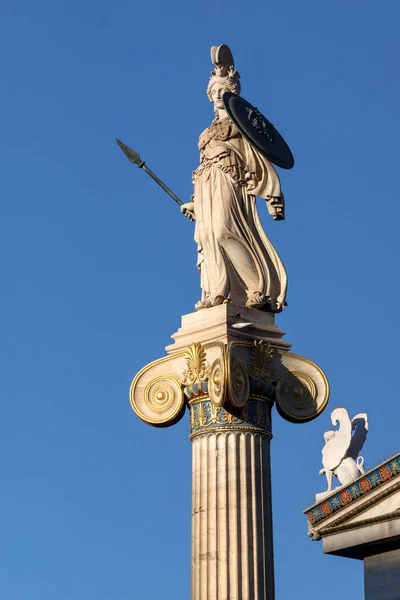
(160, 394)
(296, 397)
(239, 385)
(217, 382)
(162, 401)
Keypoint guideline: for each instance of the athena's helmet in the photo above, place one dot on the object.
(224, 72)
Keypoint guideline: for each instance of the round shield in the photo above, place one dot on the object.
(258, 131)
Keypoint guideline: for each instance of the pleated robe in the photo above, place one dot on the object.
(235, 257)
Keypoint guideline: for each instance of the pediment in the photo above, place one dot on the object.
(388, 506)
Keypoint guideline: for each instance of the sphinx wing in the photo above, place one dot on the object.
(336, 448)
(360, 429)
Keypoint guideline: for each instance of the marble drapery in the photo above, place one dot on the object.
(236, 259)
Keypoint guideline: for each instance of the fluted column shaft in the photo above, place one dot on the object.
(232, 546)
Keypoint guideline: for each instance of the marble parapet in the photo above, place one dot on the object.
(357, 518)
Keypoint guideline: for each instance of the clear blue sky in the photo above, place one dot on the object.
(98, 266)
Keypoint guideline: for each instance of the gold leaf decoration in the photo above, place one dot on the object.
(196, 365)
(207, 418)
(217, 382)
(214, 413)
(202, 414)
(296, 397)
(261, 361)
(239, 386)
(192, 423)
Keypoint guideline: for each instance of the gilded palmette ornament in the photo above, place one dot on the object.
(261, 361)
(197, 369)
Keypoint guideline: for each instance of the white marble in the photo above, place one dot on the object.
(340, 455)
(228, 323)
(232, 547)
(385, 507)
(382, 576)
(237, 261)
(358, 543)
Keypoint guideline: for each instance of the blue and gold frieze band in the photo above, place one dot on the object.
(206, 418)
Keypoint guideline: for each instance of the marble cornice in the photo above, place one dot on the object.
(364, 488)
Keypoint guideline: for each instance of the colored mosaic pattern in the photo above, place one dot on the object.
(254, 416)
(354, 490)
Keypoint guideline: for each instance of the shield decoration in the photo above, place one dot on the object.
(258, 131)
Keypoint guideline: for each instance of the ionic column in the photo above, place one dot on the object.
(230, 384)
(232, 546)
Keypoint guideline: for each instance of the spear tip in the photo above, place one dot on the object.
(129, 153)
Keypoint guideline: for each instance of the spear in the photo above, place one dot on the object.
(135, 159)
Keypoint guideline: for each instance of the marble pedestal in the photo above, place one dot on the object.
(228, 366)
(228, 323)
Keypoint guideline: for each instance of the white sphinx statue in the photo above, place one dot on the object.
(237, 262)
(340, 455)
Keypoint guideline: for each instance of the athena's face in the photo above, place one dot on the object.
(217, 91)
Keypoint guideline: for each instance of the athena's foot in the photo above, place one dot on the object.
(205, 302)
(208, 302)
(200, 304)
(255, 300)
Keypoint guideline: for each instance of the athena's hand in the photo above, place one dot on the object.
(276, 207)
(188, 211)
